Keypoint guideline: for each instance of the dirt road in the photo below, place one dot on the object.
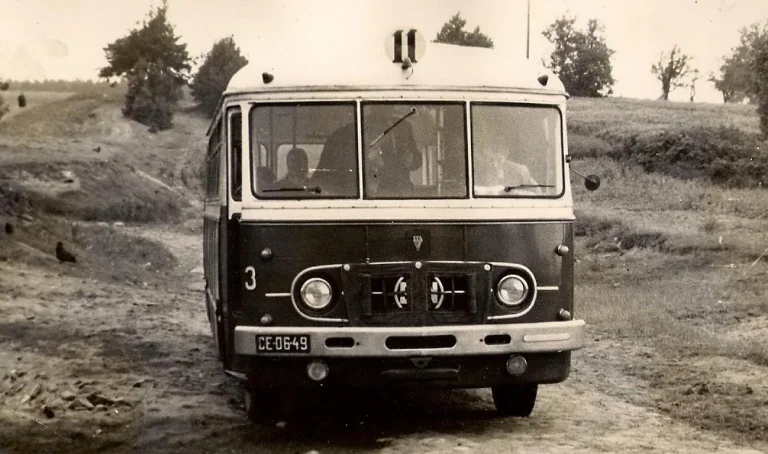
(130, 367)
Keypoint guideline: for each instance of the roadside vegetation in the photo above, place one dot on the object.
(672, 254)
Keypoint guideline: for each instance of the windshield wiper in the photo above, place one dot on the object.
(525, 186)
(315, 189)
(411, 112)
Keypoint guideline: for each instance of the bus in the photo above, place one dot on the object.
(398, 216)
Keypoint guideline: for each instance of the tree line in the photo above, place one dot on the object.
(155, 66)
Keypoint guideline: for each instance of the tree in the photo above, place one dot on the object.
(760, 67)
(581, 59)
(737, 74)
(4, 108)
(221, 63)
(453, 33)
(155, 64)
(671, 70)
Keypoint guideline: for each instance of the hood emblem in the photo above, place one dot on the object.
(420, 363)
(417, 241)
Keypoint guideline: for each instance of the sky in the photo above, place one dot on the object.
(64, 39)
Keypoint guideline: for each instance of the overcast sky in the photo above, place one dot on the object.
(64, 38)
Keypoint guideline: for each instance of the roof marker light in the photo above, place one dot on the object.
(543, 79)
(267, 77)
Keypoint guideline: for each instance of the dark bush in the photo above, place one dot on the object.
(726, 156)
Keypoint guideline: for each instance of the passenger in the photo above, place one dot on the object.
(298, 165)
(494, 167)
(336, 172)
(391, 161)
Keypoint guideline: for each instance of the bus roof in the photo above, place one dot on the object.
(365, 65)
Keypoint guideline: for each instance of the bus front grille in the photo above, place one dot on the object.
(416, 297)
(390, 294)
(450, 293)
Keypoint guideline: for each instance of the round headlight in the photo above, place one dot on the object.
(316, 293)
(512, 290)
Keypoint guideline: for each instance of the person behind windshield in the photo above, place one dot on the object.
(391, 160)
(494, 167)
(298, 165)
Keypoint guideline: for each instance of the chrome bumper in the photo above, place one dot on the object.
(470, 339)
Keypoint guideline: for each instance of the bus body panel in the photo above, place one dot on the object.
(295, 248)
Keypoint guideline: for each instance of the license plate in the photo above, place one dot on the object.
(282, 343)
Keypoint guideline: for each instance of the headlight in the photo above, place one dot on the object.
(316, 293)
(512, 290)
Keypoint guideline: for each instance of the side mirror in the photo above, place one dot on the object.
(592, 182)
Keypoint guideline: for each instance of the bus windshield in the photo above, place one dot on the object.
(517, 151)
(410, 150)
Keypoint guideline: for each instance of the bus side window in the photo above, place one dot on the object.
(213, 165)
(235, 150)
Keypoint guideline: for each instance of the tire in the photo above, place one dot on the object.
(261, 405)
(515, 400)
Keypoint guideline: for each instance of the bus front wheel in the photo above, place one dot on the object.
(515, 400)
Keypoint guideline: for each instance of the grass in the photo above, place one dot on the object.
(674, 263)
(613, 119)
(716, 143)
(104, 191)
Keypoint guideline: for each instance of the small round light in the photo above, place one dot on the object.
(487, 267)
(512, 290)
(346, 267)
(266, 319)
(562, 250)
(266, 253)
(316, 293)
(317, 370)
(516, 365)
(418, 265)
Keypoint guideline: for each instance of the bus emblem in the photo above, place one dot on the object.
(417, 241)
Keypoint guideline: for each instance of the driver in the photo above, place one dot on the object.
(298, 165)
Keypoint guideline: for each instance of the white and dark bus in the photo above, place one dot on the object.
(398, 217)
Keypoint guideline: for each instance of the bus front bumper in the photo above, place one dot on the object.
(463, 340)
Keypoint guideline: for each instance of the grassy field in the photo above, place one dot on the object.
(675, 264)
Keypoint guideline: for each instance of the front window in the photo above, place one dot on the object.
(414, 151)
(410, 150)
(304, 151)
(517, 151)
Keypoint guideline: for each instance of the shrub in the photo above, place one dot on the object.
(581, 146)
(725, 155)
(4, 109)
